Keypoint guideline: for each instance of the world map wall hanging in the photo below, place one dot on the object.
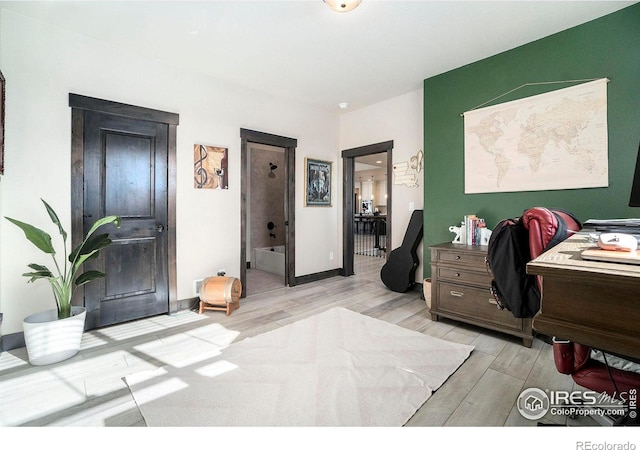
(556, 140)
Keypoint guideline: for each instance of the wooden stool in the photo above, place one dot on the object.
(220, 294)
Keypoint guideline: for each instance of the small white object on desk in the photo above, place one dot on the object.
(618, 242)
(614, 247)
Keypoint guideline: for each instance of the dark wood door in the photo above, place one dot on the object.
(125, 174)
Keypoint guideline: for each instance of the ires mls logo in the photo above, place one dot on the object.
(534, 403)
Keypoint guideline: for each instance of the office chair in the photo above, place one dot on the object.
(547, 228)
(579, 361)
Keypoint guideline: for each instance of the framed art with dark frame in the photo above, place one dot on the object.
(317, 182)
(1, 124)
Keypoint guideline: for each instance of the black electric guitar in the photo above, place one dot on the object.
(399, 272)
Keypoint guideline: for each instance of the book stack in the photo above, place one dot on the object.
(473, 226)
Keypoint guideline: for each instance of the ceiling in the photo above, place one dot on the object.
(371, 165)
(302, 51)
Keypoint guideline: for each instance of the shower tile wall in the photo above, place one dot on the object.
(267, 198)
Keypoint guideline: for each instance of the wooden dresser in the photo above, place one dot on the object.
(460, 290)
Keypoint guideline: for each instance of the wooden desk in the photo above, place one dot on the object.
(592, 303)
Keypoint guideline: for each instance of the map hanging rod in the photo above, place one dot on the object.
(530, 84)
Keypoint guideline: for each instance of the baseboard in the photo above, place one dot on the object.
(317, 276)
(188, 303)
(12, 341)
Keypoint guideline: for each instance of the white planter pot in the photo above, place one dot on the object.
(49, 340)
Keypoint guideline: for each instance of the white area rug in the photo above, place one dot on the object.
(337, 368)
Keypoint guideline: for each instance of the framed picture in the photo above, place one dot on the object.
(210, 167)
(317, 182)
(1, 124)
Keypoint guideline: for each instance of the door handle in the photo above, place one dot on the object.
(159, 228)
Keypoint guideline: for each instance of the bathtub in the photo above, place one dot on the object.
(270, 259)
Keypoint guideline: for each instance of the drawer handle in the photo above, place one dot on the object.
(457, 256)
(457, 294)
(457, 274)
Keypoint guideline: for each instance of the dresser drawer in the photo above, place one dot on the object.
(472, 259)
(475, 303)
(459, 275)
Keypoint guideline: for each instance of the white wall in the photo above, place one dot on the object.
(399, 120)
(43, 64)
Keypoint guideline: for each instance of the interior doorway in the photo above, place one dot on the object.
(265, 217)
(359, 207)
(370, 201)
(263, 228)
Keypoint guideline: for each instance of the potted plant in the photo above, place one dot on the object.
(54, 335)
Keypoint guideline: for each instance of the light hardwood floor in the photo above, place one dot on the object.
(88, 389)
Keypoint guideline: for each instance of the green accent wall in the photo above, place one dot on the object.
(608, 47)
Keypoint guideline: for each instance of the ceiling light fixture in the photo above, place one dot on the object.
(342, 5)
(343, 105)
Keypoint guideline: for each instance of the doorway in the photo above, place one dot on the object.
(123, 163)
(354, 206)
(265, 217)
(274, 228)
(370, 200)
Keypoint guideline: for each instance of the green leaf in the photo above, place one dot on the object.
(40, 272)
(36, 276)
(55, 220)
(40, 268)
(88, 276)
(35, 235)
(104, 221)
(84, 258)
(88, 247)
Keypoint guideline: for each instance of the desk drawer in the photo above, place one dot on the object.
(473, 259)
(464, 276)
(474, 303)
